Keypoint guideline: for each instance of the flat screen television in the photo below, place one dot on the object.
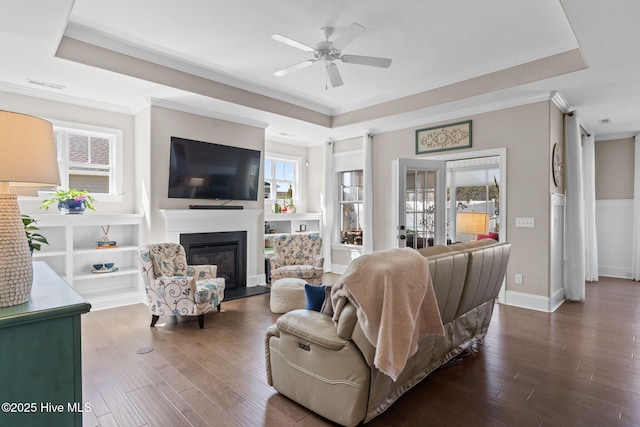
(203, 170)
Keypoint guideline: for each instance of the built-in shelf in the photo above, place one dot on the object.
(289, 223)
(72, 253)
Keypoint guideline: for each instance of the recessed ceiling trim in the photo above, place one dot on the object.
(556, 49)
(95, 37)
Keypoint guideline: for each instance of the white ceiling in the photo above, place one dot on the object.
(432, 44)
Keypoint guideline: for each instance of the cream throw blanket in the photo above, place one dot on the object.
(395, 303)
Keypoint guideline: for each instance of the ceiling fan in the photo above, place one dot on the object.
(328, 51)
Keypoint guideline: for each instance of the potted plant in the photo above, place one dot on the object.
(291, 208)
(70, 201)
(35, 239)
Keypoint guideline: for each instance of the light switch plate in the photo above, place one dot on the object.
(529, 222)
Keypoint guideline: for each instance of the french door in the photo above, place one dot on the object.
(420, 214)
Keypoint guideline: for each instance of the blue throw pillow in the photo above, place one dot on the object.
(315, 296)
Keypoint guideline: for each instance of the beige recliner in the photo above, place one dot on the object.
(329, 367)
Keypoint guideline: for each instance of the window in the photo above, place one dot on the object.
(87, 158)
(474, 187)
(280, 176)
(351, 207)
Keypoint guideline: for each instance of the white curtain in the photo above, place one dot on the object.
(574, 271)
(590, 238)
(327, 206)
(635, 241)
(367, 223)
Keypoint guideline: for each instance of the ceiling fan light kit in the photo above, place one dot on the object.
(328, 51)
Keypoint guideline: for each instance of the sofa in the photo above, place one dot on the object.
(328, 366)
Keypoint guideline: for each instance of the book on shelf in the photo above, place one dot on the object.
(106, 244)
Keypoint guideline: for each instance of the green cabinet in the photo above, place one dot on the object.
(40, 355)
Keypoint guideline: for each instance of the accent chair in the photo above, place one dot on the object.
(176, 289)
(297, 255)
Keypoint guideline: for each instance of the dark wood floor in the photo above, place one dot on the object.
(577, 366)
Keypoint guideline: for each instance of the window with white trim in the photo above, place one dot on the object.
(280, 176)
(351, 204)
(87, 158)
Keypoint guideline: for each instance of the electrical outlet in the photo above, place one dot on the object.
(518, 279)
(525, 222)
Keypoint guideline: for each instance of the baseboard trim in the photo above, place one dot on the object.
(535, 302)
(612, 271)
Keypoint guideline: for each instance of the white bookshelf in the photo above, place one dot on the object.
(290, 223)
(72, 252)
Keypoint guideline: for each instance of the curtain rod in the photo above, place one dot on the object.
(570, 113)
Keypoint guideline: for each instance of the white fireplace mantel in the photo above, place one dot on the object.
(183, 221)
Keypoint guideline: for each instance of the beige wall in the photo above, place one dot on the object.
(315, 183)
(53, 110)
(525, 132)
(615, 169)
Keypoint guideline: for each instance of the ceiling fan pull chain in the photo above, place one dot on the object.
(326, 77)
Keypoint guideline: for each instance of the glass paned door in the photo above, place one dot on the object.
(421, 203)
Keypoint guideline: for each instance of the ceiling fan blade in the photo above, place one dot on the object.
(366, 60)
(334, 75)
(348, 35)
(293, 43)
(296, 67)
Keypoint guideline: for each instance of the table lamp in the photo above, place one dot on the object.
(27, 160)
(472, 223)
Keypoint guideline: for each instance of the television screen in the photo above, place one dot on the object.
(203, 170)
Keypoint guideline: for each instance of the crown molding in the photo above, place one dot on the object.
(426, 119)
(560, 102)
(67, 99)
(206, 112)
(614, 136)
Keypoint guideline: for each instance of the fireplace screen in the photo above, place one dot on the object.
(227, 250)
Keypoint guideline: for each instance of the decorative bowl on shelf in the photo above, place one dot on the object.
(108, 267)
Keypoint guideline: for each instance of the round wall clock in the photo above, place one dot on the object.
(557, 164)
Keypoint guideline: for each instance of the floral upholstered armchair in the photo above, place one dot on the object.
(298, 256)
(176, 289)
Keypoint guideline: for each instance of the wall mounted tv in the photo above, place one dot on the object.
(203, 170)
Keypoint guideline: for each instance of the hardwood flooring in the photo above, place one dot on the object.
(578, 366)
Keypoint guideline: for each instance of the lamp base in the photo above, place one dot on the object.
(16, 265)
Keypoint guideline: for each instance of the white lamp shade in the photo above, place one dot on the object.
(27, 159)
(472, 222)
(27, 151)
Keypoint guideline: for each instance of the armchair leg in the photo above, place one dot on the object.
(219, 306)
(154, 319)
(201, 321)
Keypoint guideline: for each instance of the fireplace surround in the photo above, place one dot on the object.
(195, 221)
